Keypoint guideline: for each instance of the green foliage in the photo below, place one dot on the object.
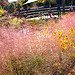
(16, 22)
(23, 66)
(46, 3)
(1, 11)
(6, 7)
(0, 7)
(11, 8)
(39, 4)
(52, 1)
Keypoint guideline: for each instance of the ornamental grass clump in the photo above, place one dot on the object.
(48, 51)
(26, 65)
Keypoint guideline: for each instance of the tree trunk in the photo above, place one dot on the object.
(49, 4)
(63, 6)
(72, 2)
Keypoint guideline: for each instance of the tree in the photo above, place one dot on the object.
(40, 2)
(51, 2)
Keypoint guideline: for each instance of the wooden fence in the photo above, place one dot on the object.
(43, 11)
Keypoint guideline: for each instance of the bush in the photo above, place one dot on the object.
(1, 11)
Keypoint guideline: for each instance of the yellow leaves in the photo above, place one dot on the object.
(1, 12)
(69, 74)
(58, 64)
(15, 19)
(20, 21)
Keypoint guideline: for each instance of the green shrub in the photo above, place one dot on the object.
(1, 11)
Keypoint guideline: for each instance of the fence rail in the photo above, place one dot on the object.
(43, 11)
